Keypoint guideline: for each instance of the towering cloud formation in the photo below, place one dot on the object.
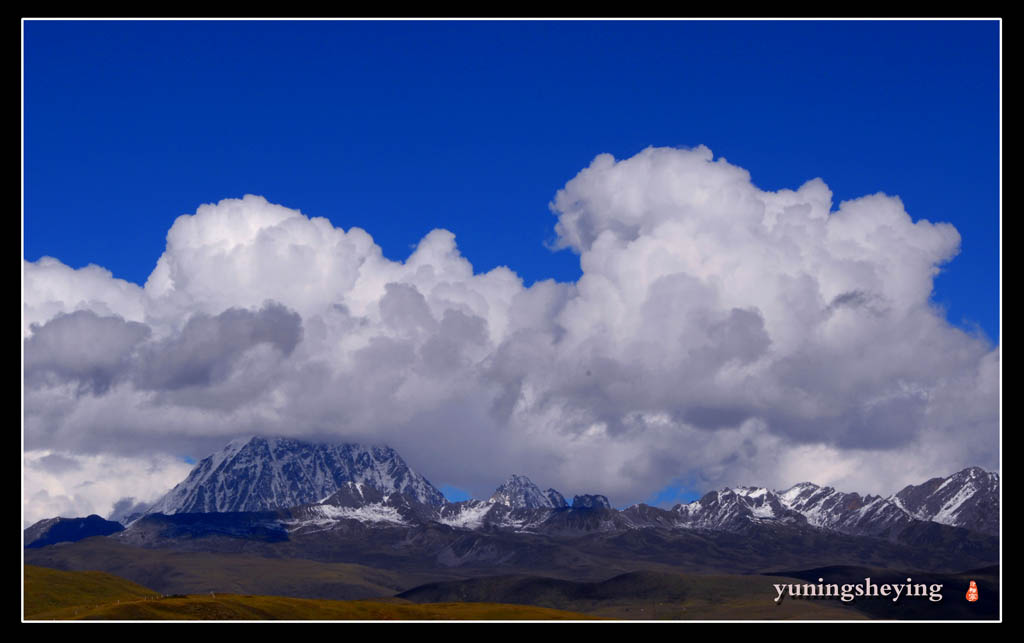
(718, 334)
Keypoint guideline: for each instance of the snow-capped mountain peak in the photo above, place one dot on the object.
(797, 490)
(968, 498)
(827, 508)
(258, 473)
(519, 492)
(735, 508)
(557, 499)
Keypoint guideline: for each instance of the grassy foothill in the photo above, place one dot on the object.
(52, 593)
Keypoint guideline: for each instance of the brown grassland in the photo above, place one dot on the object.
(52, 594)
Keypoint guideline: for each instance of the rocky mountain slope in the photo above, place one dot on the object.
(256, 474)
(968, 498)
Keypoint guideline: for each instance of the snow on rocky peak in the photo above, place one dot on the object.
(802, 504)
(257, 473)
(518, 492)
(557, 499)
(849, 513)
(734, 509)
(790, 496)
(968, 498)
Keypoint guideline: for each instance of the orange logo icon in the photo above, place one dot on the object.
(972, 592)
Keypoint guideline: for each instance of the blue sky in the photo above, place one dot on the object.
(402, 127)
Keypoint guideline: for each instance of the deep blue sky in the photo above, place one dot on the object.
(402, 127)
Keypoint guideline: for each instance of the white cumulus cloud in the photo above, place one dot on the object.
(719, 333)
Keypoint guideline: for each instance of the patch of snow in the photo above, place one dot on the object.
(470, 517)
(789, 495)
(896, 502)
(947, 514)
(328, 514)
(750, 492)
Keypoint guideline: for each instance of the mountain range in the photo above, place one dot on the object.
(285, 499)
(322, 484)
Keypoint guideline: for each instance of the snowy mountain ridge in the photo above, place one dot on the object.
(257, 473)
(321, 485)
(519, 492)
(968, 498)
